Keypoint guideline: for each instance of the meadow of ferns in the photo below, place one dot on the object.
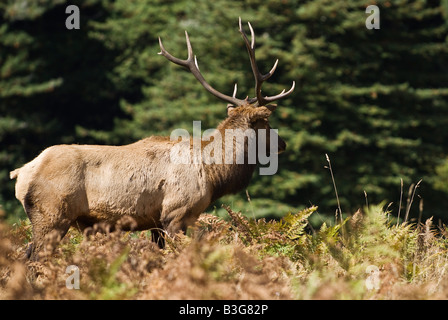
(237, 258)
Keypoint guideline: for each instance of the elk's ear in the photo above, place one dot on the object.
(230, 110)
(260, 113)
(271, 107)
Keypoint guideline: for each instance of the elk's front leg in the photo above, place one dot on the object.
(179, 219)
(174, 221)
(180, 212)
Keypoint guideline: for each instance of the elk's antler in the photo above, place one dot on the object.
(260, 78)
(192, 64)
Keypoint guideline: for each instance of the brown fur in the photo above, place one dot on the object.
(81, 185)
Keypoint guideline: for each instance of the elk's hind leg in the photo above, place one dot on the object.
(48, 227)
(45, 238)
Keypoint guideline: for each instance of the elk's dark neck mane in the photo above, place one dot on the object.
(230, 178)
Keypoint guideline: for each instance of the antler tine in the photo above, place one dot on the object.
(251, 50)
(192, 64)
(260, 78)
(189, 48)
(280, 95)
(196, 63)
(235, 89)
(271, 72)
(167, 55)
(252, 35)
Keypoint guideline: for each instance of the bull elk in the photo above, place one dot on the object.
(80, 185)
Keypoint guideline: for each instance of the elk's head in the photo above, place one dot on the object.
(253, 112)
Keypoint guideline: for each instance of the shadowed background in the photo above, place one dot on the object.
(375, 101)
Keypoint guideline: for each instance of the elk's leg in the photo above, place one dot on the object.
(47, 227)
(179, 219)
(175, 221)
(46, 237)
(158, 237)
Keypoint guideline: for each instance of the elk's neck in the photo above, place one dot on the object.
(234, 172)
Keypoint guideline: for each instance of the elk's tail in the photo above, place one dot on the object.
(14, 174)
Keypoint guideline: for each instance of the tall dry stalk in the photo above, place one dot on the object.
(410, 199)
(401, 199)
(335, 189)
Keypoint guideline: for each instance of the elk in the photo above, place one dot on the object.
(81, 185)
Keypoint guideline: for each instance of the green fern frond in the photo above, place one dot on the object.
(293, 225)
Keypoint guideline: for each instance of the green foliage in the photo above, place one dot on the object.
(241, 258)
(336, 257)
(441, 177)
(275, 237)
(106, 276)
